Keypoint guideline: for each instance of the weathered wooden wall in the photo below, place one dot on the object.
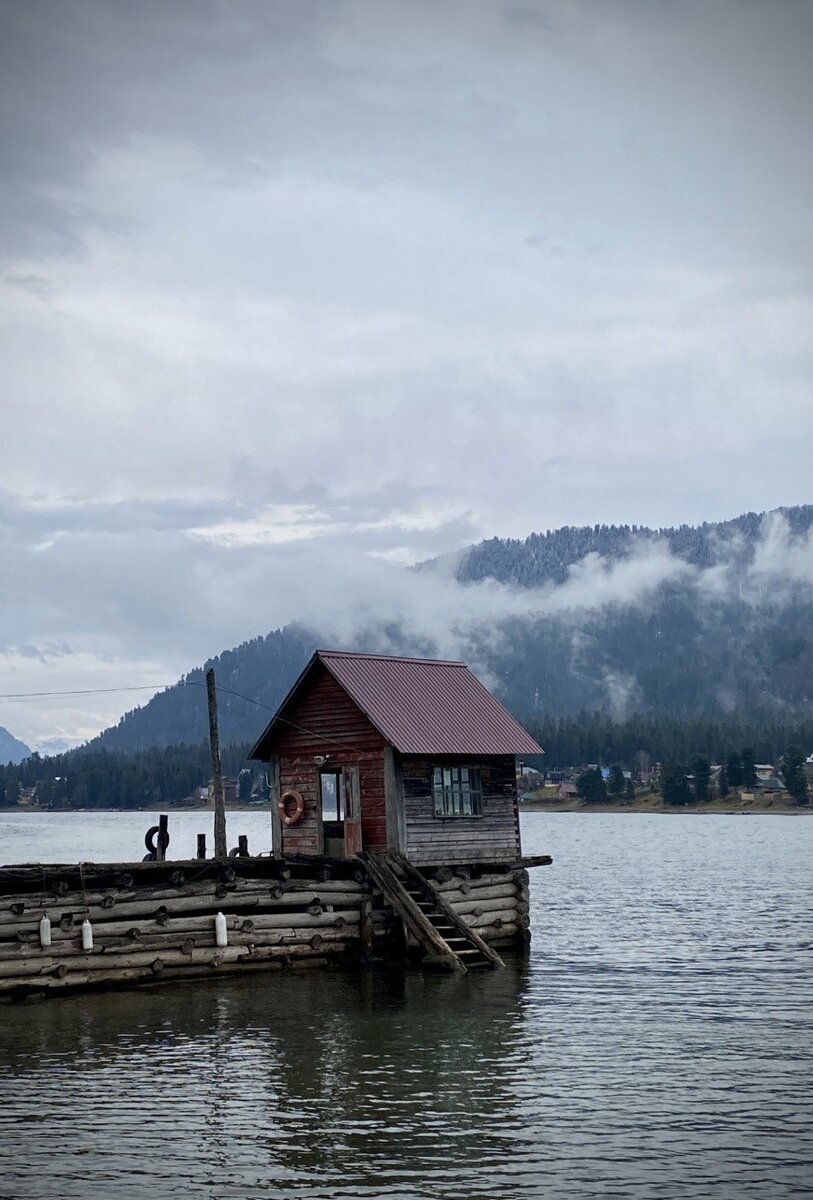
(328, 722)
(492, 837)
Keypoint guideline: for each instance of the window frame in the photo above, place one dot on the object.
(336, 773)
(454, 789)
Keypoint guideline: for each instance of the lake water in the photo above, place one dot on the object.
(655, 1043)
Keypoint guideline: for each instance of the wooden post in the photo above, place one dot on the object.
(242, 846)
(366, 929)
(162, 840)
(217, 773)
(201, 845)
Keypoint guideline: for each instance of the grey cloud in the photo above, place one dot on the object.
(419, 272)
(344, 87)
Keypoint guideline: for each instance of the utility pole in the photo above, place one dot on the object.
(217, 772)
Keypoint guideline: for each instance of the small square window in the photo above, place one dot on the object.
(457, 791)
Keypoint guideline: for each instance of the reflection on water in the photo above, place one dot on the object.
(324, 1084)
(656, 1044)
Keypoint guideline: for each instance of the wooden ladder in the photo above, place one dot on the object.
(445, 937)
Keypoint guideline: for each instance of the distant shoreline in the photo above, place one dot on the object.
(730, 808)
(147, 808)
(654, 804)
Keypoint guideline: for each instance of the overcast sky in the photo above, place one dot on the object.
(294, 292)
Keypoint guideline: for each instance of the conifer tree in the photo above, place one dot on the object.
(793, 772)
(701, 769)
(749, 774)
(591, 786)
(734, 770)
(615, 784)
(673, 784)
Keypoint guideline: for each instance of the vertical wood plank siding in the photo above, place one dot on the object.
(326, 721)
(491, 837)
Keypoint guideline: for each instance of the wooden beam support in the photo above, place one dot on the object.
(394, 804)
(276, 822)
(221, 848)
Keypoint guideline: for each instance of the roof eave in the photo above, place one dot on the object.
(473, 752)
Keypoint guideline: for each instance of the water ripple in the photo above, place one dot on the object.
(656, 1044)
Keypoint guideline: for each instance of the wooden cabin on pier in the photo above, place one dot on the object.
(408, 755)
(395, 834)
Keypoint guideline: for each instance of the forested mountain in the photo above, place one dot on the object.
(261, 670)
(544, 558)
(687, 622)
(724, 621)
(12, 750)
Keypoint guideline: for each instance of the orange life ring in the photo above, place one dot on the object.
(296, 816)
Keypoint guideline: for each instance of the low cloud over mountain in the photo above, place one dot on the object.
(686, 621)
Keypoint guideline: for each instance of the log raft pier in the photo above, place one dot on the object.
(156, 921)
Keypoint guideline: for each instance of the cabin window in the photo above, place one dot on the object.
(458, 791)
(332, 798)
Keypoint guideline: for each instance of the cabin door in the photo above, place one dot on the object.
(340, 800)
(352, 813)
(331, 804)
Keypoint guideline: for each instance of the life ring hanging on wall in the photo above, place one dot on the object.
(296, 816)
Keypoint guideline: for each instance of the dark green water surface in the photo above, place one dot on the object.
(655, 1043)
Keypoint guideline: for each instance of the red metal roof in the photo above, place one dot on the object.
(422, 705)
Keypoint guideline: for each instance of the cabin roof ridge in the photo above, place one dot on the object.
(406, 658)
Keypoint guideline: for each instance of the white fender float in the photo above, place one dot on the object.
(45, 931)
(221, 931)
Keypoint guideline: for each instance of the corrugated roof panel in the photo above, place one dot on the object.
(427, 706)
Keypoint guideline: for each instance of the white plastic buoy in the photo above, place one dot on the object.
(221, 931)
(45, 931)
(87, 935)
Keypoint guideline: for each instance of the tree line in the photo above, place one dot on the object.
(160, 777)
(573, 742)
(681, 783)
(97, 778)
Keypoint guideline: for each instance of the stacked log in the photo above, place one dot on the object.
(155, 921)
(143, 931)
(494, 902)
